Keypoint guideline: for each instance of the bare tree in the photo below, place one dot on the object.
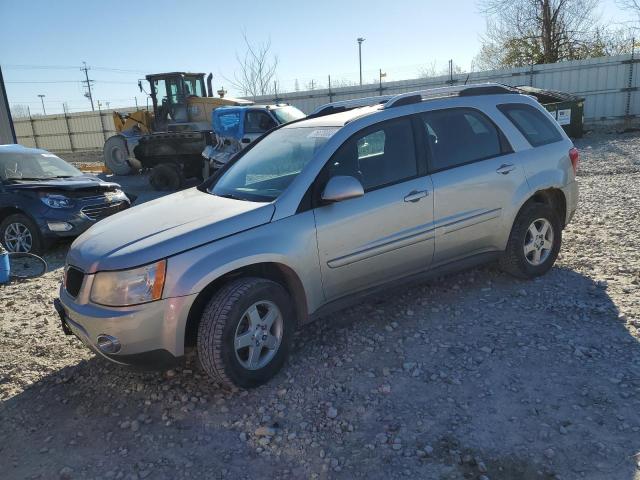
(257, 69)
(632, 6)
(342, 82)
(428, 70)
(19, 111)
(524, 32)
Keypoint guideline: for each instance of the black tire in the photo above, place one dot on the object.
(513, 260)
(220, 321)
(166, 177)
(37, 241)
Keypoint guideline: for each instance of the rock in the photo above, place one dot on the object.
(66, 473)
(265, 432)
(332, 412)
(381, 438)
(407, 366)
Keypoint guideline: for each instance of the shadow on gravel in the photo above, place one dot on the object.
(471, 374)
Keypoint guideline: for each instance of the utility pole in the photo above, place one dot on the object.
(44, 112)
(87, 83)
(360, 40)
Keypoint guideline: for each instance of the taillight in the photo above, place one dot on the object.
(574, 156)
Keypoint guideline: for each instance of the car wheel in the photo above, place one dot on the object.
(534, 242)
(19, 233)
(245, 332)
(166, 176)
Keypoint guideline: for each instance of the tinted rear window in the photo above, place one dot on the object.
(458, 136)
(536, 127)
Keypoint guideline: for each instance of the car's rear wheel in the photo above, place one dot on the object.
(534, 242)
(245, 332)
(20, 234)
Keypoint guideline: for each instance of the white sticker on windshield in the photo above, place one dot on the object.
(322, 133)
(50, 155)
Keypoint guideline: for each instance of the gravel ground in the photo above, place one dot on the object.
(474, 376)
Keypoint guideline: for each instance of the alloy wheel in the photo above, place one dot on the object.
(538, 242)
(18, 238)
(258, 335)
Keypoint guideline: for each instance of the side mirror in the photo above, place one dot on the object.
(246, 140)
(340, 188)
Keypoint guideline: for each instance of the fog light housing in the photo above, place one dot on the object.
(59, 226)
(108, 344)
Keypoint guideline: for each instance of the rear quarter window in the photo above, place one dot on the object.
(536, 127)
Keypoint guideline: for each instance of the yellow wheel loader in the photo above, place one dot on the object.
(174, 133)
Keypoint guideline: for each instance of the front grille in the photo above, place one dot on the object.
(103, 210)
(73, 281)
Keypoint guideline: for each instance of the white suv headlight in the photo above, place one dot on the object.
(129, 287)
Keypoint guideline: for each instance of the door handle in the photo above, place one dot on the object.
(505, 168)
(416, 195)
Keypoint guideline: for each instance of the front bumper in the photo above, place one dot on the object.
(151, 335)
(78, 221)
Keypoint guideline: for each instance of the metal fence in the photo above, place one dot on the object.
(609, 85)
(67, 132)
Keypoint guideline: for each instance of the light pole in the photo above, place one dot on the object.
(42, 100)
(360, 40)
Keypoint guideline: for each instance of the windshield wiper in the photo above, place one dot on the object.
(229, 195)
(16, 179)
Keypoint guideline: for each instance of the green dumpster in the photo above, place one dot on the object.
(566, 108)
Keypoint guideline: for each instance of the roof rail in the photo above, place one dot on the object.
(458, 90)
(344, 105)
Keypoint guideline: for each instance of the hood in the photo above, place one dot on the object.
(163, 227)
(82, 182)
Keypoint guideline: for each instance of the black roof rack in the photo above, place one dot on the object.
(459, 90)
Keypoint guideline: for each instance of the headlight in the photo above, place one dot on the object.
(56, 201)
(116, 195)
(129, 287)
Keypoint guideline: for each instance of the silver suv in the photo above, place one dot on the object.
(315, 215)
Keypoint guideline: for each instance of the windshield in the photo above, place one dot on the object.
(34, 166)
(287, 114)
(266, 170)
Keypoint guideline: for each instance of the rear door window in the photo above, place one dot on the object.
(536, 127)
(458, 136)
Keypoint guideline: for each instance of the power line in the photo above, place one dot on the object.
(119, 82)
(44, 81)
(69, 67)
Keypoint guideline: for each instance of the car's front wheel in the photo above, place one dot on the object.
(245, 332)
(534, 242)
(18, 233)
